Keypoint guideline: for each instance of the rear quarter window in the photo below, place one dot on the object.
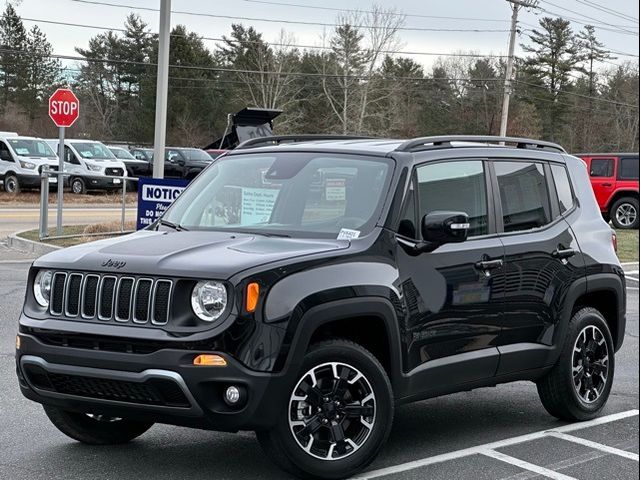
(628, 169)
(563, 187)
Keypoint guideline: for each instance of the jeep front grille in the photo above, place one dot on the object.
(125, 299)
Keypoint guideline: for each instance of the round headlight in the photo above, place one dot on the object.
(42, 287)
(208, 300)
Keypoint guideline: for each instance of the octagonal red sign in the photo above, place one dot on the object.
(64, 107)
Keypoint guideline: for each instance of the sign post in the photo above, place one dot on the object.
(64, 109)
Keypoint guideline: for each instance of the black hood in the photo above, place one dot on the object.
(215, 255)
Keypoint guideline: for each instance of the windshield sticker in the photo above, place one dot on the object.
(335, 190)
(348, 234)
(22, 151)
(257, 204)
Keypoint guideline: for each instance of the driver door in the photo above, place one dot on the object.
(453, 296)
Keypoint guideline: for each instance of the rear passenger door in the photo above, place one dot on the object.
(602, 173)
(542, 256)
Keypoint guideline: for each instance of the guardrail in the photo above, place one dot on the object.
(45, 174)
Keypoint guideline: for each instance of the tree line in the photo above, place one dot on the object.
(566, 87)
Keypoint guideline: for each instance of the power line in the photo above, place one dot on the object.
(398, 14)
(610, 11)
(293, 22)
(573, 94)
(274, 44)
(594, 21)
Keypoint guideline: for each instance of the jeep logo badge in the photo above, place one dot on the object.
(113, 264)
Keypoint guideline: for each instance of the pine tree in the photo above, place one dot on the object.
(593, 51)
(40, 74)
(13, 39)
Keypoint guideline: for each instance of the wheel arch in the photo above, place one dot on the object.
(621, 194)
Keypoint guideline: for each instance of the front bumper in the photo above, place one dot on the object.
(163, 386)
(102, 182)
(34, 181)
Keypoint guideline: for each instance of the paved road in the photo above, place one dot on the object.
(445, 438)
(15, 219)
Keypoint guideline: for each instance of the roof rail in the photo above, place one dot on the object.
(278, 139)
(430, 143)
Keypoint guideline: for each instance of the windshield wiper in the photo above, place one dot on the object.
(175, 226)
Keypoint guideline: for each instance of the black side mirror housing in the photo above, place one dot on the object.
(443, 227)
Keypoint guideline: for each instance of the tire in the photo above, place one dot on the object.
(11, 184)
(625, 213)
(78, 186)
(558, 391)
(95, 430)
(284, 446)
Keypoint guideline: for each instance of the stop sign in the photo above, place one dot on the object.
(63, 107)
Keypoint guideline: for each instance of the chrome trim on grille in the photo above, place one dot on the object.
(149, 302)
(117, 299)
(67, 290)
(53, 292)
(154, 320)
(83, 298)
(100, 288)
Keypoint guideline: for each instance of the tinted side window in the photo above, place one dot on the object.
(628, 169)
(70, 157)
(563, 187)
(601, 167)
(524, 195)
(4, 153)
(455, 186)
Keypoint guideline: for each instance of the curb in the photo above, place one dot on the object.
(29, 246)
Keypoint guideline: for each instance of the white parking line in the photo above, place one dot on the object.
(482, 449)
(526, 465)
(596, 446)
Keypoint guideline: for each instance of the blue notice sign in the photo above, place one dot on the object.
(154, 197)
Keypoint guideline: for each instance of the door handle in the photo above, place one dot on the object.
(563, 253)
(606, 184)
(489, 264)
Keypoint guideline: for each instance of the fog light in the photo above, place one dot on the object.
(235, 396)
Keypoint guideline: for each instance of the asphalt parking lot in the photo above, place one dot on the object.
(494, 433)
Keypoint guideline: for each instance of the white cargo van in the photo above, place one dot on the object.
(90, 165)
(22, 159)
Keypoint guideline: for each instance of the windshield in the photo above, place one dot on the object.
(293, 194)
(122, 154)
(195, 154)
(93, 150)
(31, 148)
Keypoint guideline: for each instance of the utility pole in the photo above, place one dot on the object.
(162, 88)
(515, 6)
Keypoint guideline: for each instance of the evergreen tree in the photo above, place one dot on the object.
(41, 73)
(13, 39)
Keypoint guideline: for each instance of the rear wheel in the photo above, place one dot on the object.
(11, 184)
(78, 186)
(95, 429)
(578, 386)
(338, 414)
(625, 213)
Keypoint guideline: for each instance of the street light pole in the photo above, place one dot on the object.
(515, 6)
(162, 88)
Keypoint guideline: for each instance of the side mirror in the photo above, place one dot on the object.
(445, 227)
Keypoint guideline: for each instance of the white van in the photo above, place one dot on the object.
(22, 160)
(90, 165)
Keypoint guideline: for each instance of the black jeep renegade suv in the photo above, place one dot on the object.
(302, 287)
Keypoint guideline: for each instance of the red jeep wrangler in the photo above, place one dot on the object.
(614, 178)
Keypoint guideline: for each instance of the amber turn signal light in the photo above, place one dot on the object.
(253, 293)
(207, 360)
(18, 342)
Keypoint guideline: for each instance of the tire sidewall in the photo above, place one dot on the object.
(11, 180)
(373, 371)
(80, 182)
(617, 205)
(580, 409)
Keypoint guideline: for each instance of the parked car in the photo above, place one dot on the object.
(179, 162)
(91, 165)
(22, 160)
(134, 166)
(614, 178)
(253, 304)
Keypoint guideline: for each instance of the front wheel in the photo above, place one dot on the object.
(95, 429)
(78, 186)
(578, 386)
(11, 184)
(337, 416)
(625, 213)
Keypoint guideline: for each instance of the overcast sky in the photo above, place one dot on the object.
(481, 14)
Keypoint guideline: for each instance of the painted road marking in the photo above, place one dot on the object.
(595, 445)
(526, 465)
(482, 449)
